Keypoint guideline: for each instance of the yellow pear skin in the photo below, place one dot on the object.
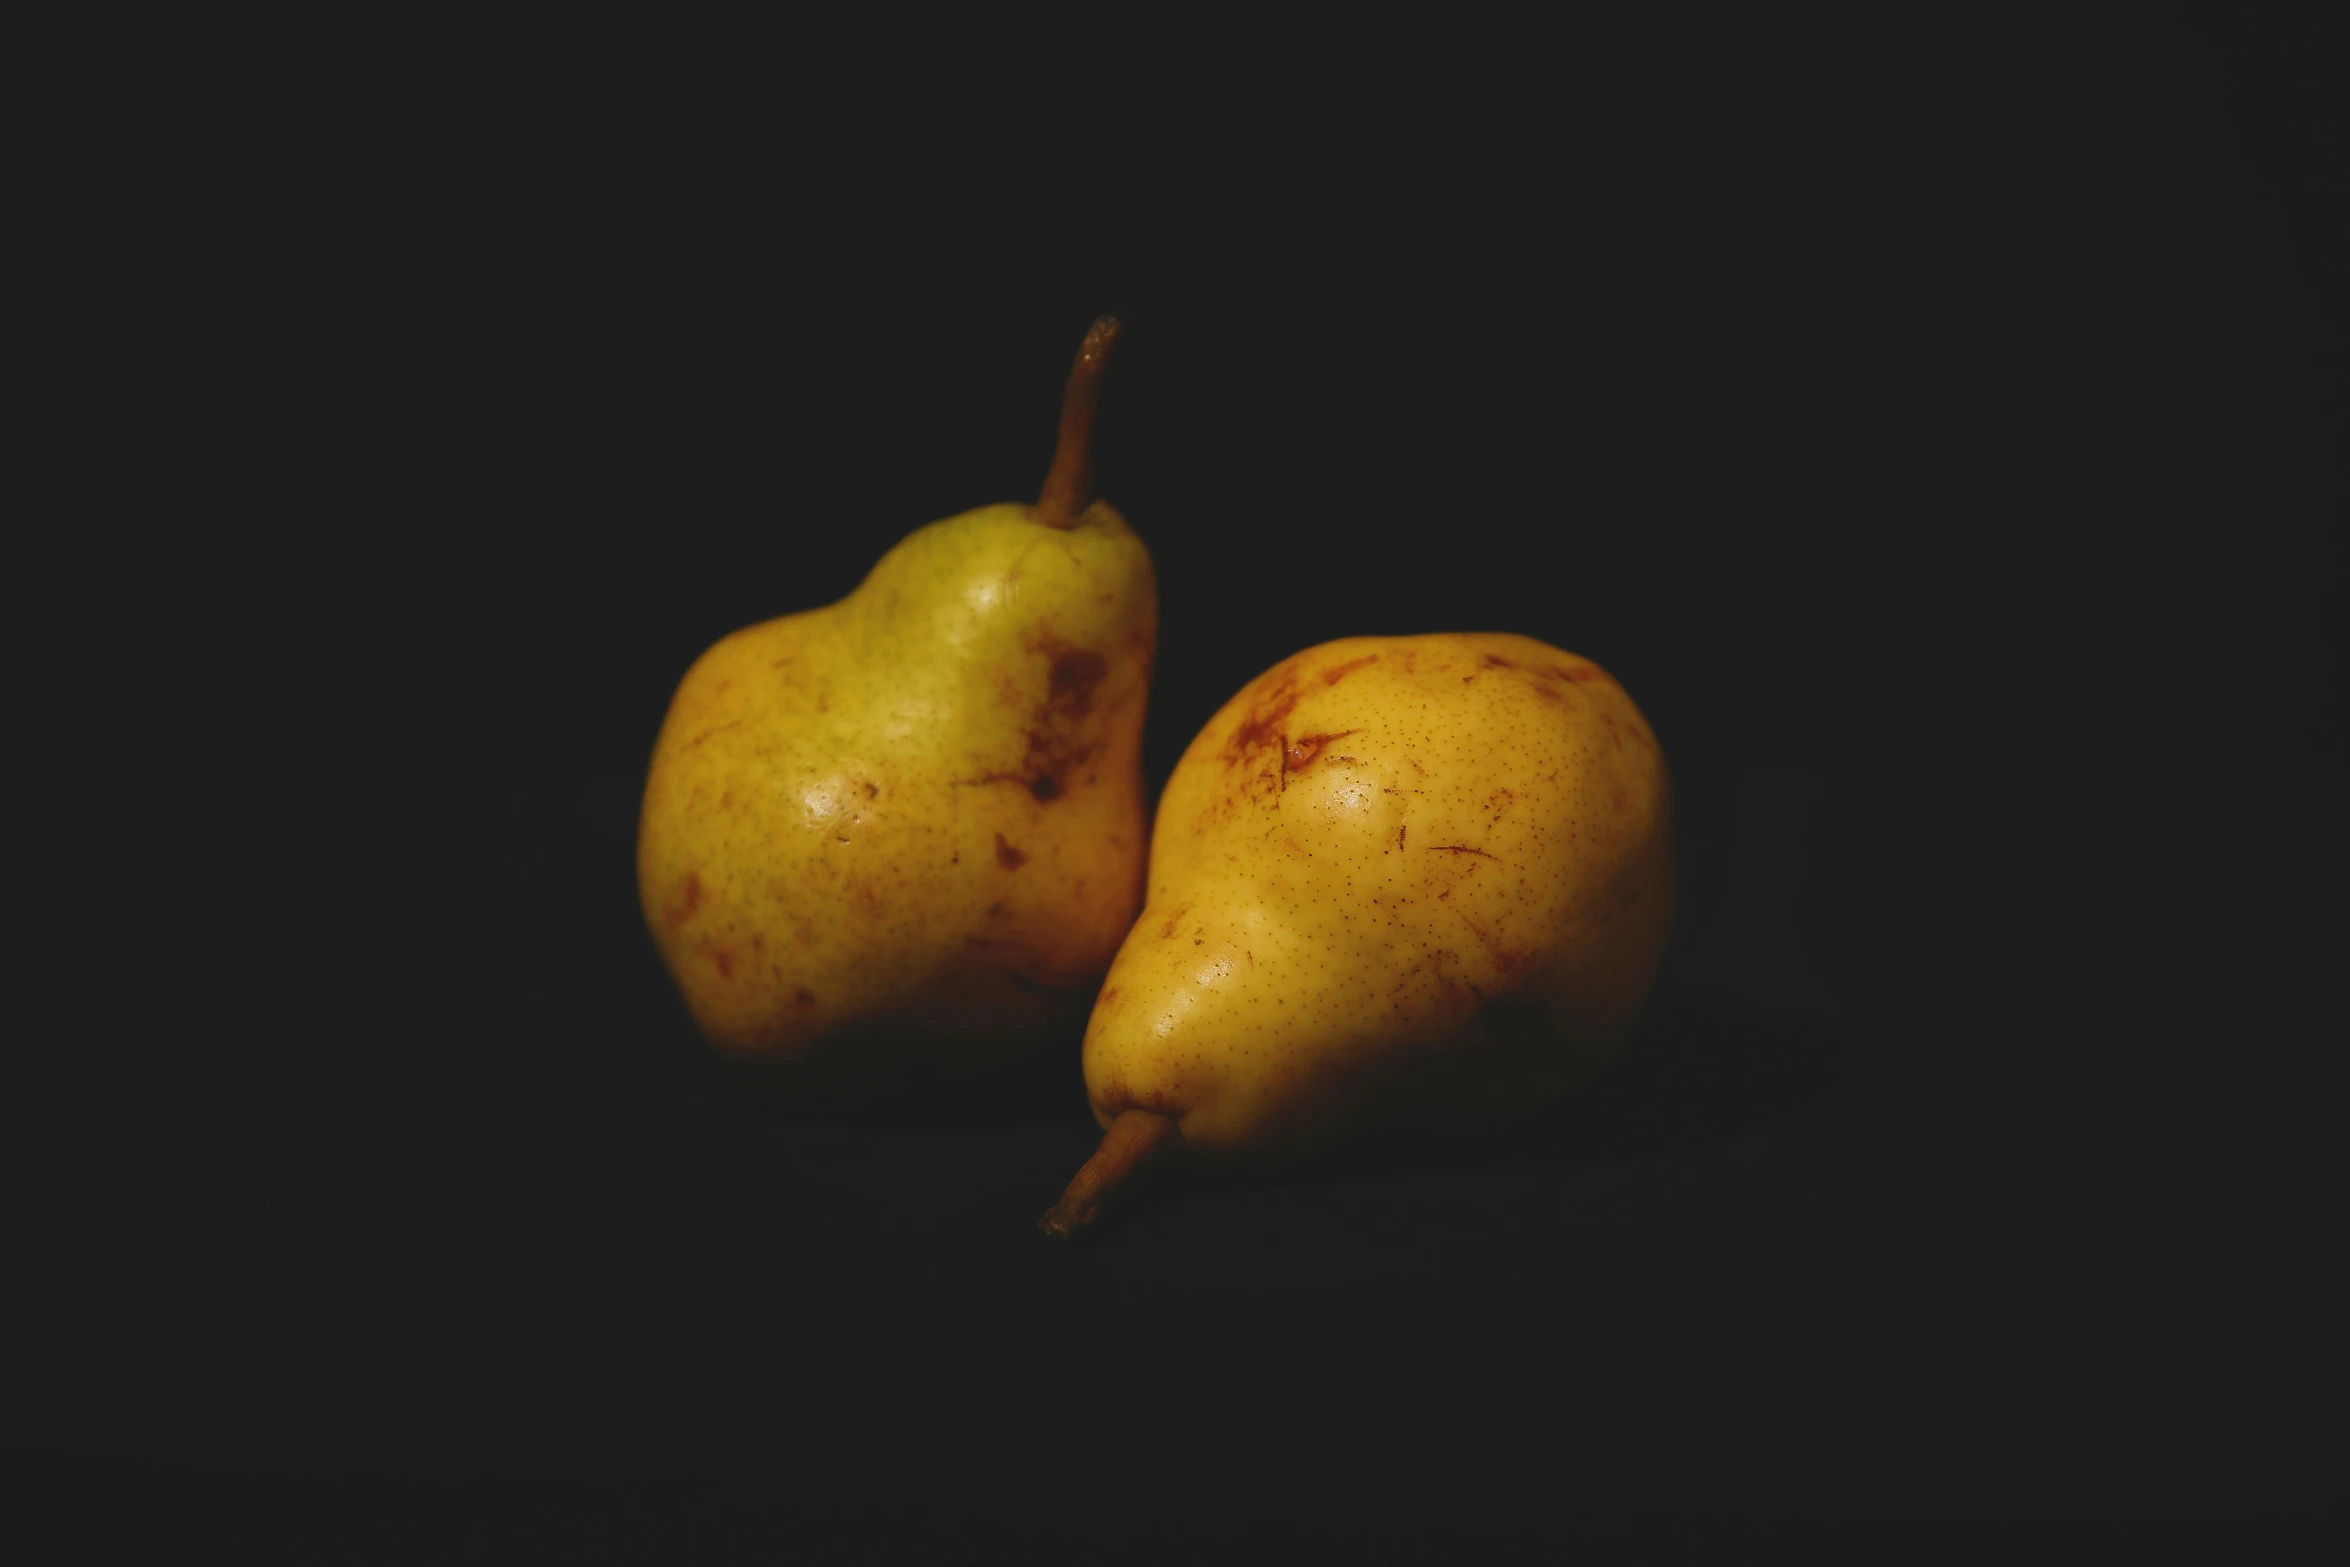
(902, 835)
(1396, 878)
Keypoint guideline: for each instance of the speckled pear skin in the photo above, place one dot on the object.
(1395, 879)
(902, 836)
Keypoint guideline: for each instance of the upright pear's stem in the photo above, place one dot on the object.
(1133, 1138)
(1068, 488)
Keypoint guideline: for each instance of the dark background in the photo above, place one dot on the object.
(1935, 423)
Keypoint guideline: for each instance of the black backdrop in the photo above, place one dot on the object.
(1936, 424)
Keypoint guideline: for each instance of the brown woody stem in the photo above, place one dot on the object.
(1068, 487)
(1134, 1137)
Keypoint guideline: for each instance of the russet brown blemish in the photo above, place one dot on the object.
(715, 729)
(1263, 723)
(1076, 672)
(689, 898)
(804, 996)
(1043, 785)
(1073, 673)
(1337, 672)
(1399, 833)
(720, 958)
(1496, 661)
(1009, 858)
(1460, 848)
(1299, 754)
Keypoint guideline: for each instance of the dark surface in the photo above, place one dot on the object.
(1937, 429)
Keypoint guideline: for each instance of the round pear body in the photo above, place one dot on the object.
(905, 833)
(1419, 878)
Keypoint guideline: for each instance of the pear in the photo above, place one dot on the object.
(1395, 880)
(900, 837)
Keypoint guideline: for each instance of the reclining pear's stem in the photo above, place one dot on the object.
(1068, 487)
(1134, 1137)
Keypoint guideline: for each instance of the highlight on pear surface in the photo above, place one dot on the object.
(1394, 880)
(898, 838)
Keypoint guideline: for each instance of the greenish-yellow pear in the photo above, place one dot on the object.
(901, 836)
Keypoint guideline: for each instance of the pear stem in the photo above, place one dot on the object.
(1068, 487)
(1134, 1137)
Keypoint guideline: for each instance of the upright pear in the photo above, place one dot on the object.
(901, 836)
(1396, 878)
